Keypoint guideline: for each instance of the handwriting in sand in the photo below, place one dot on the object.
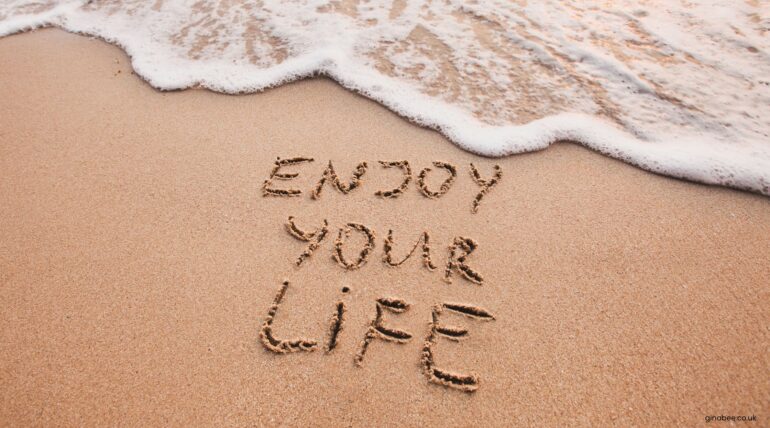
(457, 262)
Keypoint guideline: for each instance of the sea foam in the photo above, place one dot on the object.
(677, 88)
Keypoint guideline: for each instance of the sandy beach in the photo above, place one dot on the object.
(139, 258)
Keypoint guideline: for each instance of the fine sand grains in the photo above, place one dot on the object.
(424, 239)
(335, 327)
(486, 185)
(445, 186)
(345, 188)
(314, 238)
(330, 174)
(463, 382)
(398, 191)
(377, 329)
(343, 234)
(267, 186)
(459, 251)
(282, 346)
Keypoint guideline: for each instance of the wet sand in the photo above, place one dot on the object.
(139, 259)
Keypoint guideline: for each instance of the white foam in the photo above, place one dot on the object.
(678, 89)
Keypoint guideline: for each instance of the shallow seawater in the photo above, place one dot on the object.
(676, 87)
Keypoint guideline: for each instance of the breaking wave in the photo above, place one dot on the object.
(680, 88)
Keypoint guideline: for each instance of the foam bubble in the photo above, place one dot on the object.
(680, 89)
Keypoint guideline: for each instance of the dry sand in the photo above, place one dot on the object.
(139, 258)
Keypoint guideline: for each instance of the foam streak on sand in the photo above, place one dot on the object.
(678, 88)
